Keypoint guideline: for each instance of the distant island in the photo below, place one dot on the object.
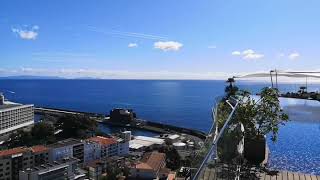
(31, 77)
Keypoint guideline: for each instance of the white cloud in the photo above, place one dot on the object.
(132, 45)
(294, 56)
(248, 54)
(248, 51)
(212, 47)
(253, 56)
(27, 34)
(236, 53)
(168, 45)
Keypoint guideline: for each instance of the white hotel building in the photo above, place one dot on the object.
(14, 116)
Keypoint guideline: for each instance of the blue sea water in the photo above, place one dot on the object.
(182, 103)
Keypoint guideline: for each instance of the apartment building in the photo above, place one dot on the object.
(111, 146)
(151, 166)
(66, 149)
(66, 168)
(16, 159)
(14, 116)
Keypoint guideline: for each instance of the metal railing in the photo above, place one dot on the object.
(211, 155)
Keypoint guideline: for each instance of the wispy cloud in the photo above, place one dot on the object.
(212, 47)
(236, 53)
(168, 45)
(132, 45)
(27, 33)
(294, 56)
(248, 54)
(127, 34)
(61, 56)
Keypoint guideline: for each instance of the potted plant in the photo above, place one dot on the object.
(259, 117)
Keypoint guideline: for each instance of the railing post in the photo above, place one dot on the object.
(212, 152)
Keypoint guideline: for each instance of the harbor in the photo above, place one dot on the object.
(133, 123)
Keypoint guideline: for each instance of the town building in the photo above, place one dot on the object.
(66, 149)
(151, 166)
(16, 159)
(14, 116)
(66, 168)
(97, 169)
(92, 151)
(85, 151)
(111, 146)
(40, 155)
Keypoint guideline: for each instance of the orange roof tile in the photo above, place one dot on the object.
(13, 151)
(103, 140)
(39, 149)
(152, 161)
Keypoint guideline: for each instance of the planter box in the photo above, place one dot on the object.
(255, 149)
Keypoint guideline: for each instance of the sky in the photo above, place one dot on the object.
(152, 39)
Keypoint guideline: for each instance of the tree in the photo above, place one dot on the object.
(173, 159)
(77, 126)
(20, 138)
(42, 131)
(262, 116)
(231, 89)
(302, 89)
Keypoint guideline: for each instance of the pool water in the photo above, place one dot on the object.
(298, 145)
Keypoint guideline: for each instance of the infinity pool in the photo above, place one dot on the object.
(298, 145)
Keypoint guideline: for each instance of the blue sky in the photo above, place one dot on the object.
(204, 39)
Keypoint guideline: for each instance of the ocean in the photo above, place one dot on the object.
(185, 103)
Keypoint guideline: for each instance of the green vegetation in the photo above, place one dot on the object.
(76, 126)
(258, 116)
(41, 133)
(71, 126)
(173, 159)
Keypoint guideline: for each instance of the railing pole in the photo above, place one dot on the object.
(209, 154)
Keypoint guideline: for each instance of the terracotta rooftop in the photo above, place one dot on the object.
(152, 161)
(103, 140)
(13, 151)
(39, 149)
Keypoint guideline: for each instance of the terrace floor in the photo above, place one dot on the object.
(221, 173)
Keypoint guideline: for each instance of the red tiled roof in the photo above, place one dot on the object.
(39, 149)
(152, 161)
(103, 140)
(13, 151)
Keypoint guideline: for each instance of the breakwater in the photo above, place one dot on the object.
(137, 124)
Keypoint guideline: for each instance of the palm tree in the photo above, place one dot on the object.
(302, 89)
(231, 89)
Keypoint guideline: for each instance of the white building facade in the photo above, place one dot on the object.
(14, 116)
